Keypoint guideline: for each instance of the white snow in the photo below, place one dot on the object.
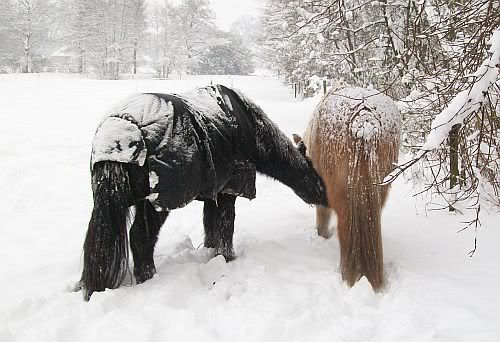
(153, 179)
(205, 100)
(375, 116)
(113, 141)
(285, 284)
(119, 134)
(227, 101)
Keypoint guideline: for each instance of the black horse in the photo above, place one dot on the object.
(158, 152)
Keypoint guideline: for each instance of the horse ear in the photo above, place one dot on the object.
(296, 138)
(301, 147)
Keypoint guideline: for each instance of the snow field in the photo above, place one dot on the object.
(284, 285)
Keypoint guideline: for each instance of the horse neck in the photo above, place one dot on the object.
(277, 157)
(272, 152)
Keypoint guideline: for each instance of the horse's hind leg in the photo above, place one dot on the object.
(143, 237)
(218, 220)
(323, 215)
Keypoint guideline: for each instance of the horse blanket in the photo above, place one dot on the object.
(194, 145)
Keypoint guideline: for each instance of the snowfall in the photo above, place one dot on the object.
(284, 285)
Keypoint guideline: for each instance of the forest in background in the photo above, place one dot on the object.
(108, 38)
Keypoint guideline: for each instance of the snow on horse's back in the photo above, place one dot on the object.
(353, 141)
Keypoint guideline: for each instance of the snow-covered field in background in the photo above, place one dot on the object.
(284, 285)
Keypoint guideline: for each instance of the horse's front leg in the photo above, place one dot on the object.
(143, 237)
(218, 220)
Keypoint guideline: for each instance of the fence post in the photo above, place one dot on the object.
(295, 89)
(324, 87)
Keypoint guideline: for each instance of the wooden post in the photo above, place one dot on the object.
(324, 87)
(295, 89)
(454, 172)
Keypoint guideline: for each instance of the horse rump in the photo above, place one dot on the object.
(105, 250)
(353, 141)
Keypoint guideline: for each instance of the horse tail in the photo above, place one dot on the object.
(359, 227)
(105, 250)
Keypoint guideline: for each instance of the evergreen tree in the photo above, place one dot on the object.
(231, 58)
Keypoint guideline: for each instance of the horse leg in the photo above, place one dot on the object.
(323, 215)
(143, 237)
(218, 220)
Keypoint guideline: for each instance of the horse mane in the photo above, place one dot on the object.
(277, 157)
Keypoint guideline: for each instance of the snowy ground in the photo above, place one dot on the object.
(284, 285)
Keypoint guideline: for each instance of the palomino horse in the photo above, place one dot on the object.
(158, 152)
(353, 141)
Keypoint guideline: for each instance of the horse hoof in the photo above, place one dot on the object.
(229, 257)
(326, 235)
(143, 274)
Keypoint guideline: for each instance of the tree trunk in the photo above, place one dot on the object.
(25, 67)
(135, 57)
(80, 62)
(454, 172)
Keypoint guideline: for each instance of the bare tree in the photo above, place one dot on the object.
(27, 22)
(138, 26)
(106, 34)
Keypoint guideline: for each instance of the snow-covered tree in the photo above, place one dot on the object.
(24, 23)
(422, 53)
(106, 34)
(246, 28)
(164, 44)
(137, 29)
(182, 35)
(230, 58)
(196, 31)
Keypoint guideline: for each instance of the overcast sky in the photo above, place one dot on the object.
(227, 11)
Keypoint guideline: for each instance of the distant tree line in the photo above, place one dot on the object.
(112, 37)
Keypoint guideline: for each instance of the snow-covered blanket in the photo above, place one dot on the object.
(192, 144)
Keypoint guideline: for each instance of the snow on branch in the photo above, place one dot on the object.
(461, 106)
